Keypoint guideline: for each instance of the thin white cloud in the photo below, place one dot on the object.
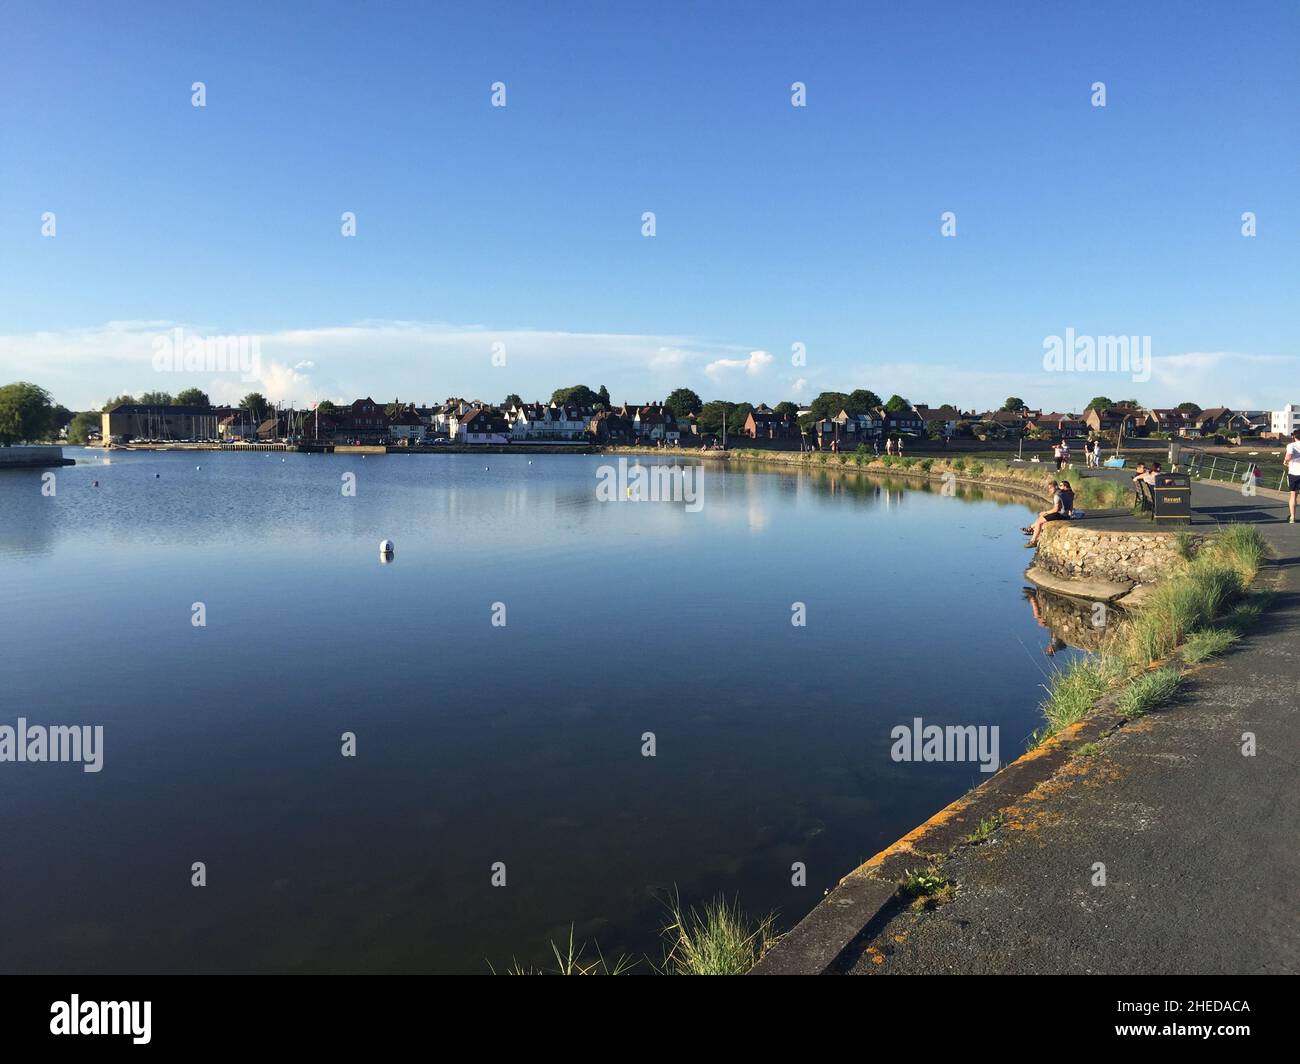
(420, 361)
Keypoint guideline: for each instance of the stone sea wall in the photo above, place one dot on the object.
(1088, 553)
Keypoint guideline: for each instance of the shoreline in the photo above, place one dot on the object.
(850, 928)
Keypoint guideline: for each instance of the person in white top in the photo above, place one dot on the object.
(1292, 460)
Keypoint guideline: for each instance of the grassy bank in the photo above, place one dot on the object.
(1097, 493)
(1198, 611)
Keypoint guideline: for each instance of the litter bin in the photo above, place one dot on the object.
(1172, 498)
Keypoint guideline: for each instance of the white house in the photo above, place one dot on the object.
(535, 421)
(480, 426)
(1284, 422)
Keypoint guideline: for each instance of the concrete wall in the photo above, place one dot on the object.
(28, 457)
(1137, 557)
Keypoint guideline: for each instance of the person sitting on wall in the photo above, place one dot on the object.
(1053, 487)
(1062, 507)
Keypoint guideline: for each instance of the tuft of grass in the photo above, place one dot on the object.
(1207, 642)
(1149, 691)
(1187, 544)
(573, 960)
(987, 826)
(959, 464)
(1247, 612)
(1242, 548)
(926, 463)
(1072, 691)
(1193, 599)
(717, 940)
(1090, 750)
(977, 469)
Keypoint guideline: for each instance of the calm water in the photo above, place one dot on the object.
(475, 743)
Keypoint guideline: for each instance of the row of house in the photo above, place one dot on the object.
(462, 421)
(472, 421)
(1138, 421)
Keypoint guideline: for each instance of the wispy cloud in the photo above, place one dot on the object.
(421, 361)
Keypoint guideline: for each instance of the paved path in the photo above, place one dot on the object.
(1201, 845)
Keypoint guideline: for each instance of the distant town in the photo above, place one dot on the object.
(578, 415)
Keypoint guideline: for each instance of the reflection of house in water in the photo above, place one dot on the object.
(1069, 621)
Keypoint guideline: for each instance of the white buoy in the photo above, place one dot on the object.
(386, 546)
(198, 467)
(155, 476)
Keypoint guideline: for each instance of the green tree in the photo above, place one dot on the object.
(194, 397)
(786, 408)
(121, 400)
(511, 400)
(1188, 408)
(737, 415)
(326, 407)
(683, 403)
(603, 400)
(861, 401)
(255, 405)
(936, 429)
(709, 418)
(157, 399)
(828, 404)
(1013, 405)
(575, 395)
(82, 425)
(1099, 402)
(896, 404)
(26, 413)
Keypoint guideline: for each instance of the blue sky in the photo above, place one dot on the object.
(775, 225)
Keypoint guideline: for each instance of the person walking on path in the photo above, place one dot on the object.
(1292, 460)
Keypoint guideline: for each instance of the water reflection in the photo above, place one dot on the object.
(1068, 621)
